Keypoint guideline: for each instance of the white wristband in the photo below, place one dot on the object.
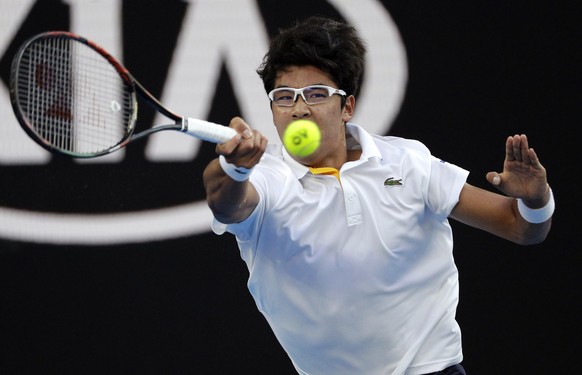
(537, 215)
(239, 174)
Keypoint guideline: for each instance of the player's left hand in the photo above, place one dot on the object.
(523, 175)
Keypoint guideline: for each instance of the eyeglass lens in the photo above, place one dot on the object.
(311, 95)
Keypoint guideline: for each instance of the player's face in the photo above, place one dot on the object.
(330, 116)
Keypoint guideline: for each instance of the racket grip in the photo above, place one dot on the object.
(207, 131)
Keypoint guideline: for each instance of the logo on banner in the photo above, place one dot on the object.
(203, 67)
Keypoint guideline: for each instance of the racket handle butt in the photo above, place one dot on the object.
(207, 131)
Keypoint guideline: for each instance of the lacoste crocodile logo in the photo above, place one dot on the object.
(392, 182)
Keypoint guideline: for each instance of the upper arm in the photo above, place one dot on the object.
(496, 214)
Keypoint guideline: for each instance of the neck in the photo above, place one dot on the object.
(337, 159)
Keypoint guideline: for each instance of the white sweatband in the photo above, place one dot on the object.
(239, 174)
(537, 215)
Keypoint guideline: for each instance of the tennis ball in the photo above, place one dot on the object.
(302, 138)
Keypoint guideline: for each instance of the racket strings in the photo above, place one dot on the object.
(73, 97)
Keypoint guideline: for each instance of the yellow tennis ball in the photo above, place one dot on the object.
(302, 138)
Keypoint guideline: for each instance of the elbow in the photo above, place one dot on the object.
(218, 210)
(535, 234)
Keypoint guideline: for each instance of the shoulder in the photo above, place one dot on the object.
(384, 146)
(274, 173)
(400, 143)
(415, 155)
(273, 161)
(394, 148)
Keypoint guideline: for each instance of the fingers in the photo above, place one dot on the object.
(250, 150)
(241, 127)
(509, 153)
(493, 178)
(514, 148)
(534, 160)
(517, 149)
(246, 148)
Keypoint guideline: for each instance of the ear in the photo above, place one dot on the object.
(349, 108)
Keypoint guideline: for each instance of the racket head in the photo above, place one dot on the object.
(71, 96)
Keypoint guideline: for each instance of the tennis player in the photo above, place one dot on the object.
(349, 249)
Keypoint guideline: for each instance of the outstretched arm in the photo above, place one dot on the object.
(523, 178)
(229, 194)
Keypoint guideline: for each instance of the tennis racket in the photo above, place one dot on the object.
(72, 97)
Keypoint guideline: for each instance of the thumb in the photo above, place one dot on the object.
(494, 178)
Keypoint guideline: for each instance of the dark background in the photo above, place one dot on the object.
(478, 72)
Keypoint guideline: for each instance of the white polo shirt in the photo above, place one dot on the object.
(357, 277)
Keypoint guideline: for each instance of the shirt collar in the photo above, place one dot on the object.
(359, 138)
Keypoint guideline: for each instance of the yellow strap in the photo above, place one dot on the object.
(326, 170)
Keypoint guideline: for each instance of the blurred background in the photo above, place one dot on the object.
(108, 266)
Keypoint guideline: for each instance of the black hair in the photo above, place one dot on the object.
(330, 45)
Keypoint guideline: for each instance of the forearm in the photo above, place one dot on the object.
(230, 201)
(498, 215)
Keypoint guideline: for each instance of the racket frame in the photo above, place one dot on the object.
(201, 129)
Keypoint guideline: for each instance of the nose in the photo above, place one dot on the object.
(300, 109)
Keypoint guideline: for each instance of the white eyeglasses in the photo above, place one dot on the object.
(316, 94)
